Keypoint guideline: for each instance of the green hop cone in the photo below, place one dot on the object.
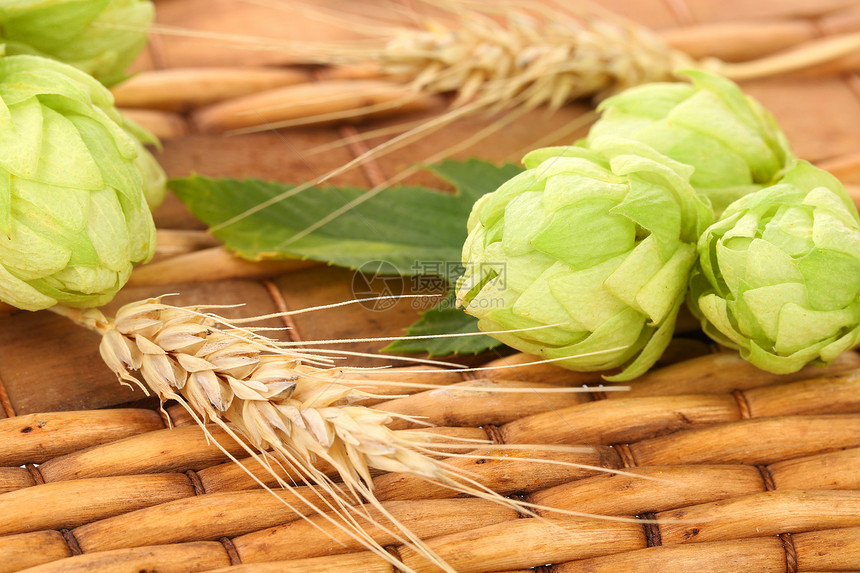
(779, 274)
(73, 218)
(733, 143)
(100, 37)
(591, 249)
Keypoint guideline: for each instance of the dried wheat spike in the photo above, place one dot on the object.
(275, 399)
(530, 61)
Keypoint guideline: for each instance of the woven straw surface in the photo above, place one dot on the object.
(754, 472)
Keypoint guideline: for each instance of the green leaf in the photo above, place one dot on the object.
(401, 225)
(444, 319)
(473, 178)
(405, 226)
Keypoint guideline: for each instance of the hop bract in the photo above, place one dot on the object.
(73, 218)
(590, 249)
(733, 143)
(100, 37)
(154, 178)
(779, 274)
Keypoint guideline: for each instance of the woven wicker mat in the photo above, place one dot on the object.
(754, 472)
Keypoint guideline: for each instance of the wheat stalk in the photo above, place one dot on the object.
(522, 62)
(519, 54)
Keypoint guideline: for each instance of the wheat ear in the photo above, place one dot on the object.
(530, 62)
(272, 396)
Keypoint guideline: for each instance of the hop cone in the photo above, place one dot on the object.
(100, 37)
(73, 219)
(779, 274)
(591, 246)
(732, 142)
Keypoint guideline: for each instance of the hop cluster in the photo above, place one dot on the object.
(73, 215)
(594, 245)
(779, 274)
(587, 254)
